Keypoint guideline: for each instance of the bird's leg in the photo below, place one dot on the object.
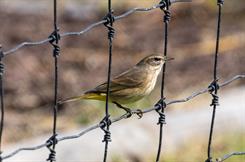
(129, 111)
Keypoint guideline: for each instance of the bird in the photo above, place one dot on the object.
(129, 86)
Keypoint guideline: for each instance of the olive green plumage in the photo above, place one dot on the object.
(131, 85)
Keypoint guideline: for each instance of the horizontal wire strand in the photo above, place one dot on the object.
(88, 28)
(95, 126)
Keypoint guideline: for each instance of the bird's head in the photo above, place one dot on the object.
(154, 62)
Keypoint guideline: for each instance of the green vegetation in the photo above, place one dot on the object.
(195, 150)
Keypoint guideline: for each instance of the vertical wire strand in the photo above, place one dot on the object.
(55, 16)
(217, 43)
(56, 76)
(56, 72)
(2, 112)
(215, 79)
(107, 98)
(55, 99)
(2, 99)
(165, 54)
(165, 45)
(108, 84)
(109, 66)
(55, 106)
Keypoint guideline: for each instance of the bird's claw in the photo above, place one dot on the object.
(139, 113)
(129, 114)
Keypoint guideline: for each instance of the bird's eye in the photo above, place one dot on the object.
(157, 59)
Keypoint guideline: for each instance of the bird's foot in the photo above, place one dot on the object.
(129, 112)
(139, 113)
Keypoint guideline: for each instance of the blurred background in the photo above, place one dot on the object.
(83, 65)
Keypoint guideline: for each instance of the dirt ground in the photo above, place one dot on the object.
(83, 59)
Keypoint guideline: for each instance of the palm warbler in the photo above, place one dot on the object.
(130, 86)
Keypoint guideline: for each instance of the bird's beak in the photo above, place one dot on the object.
(168, 59)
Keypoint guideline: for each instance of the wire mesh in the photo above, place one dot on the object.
(108, 21)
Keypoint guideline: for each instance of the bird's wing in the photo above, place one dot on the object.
(132, 78)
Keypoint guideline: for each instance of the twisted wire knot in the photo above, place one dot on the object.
(106, 122)
(1, 64)
(164, 7)
(50, 142)
(162, 118)
(213, 87)
(167, 16)
(164, 3)
(220, 2)
(209, 159)
(52, 155)
(1, 68)
(215, 100)
(161, 104)
(107, 136)
(55, 37)
(109, 21)
(1, 52)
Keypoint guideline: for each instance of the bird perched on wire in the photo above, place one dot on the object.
(129, 86)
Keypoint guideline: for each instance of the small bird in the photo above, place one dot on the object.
(129, 86)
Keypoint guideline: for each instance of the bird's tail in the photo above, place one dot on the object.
(91, 96)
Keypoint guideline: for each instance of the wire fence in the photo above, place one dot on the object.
(159, 107)
(161, 103)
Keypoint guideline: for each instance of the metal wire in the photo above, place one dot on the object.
(54, 40)
(2, 99)
(161, 121)
(93, 127)
(214, 84)
(52, 141)
(88, 28)
(227, 156)
(106, 121)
